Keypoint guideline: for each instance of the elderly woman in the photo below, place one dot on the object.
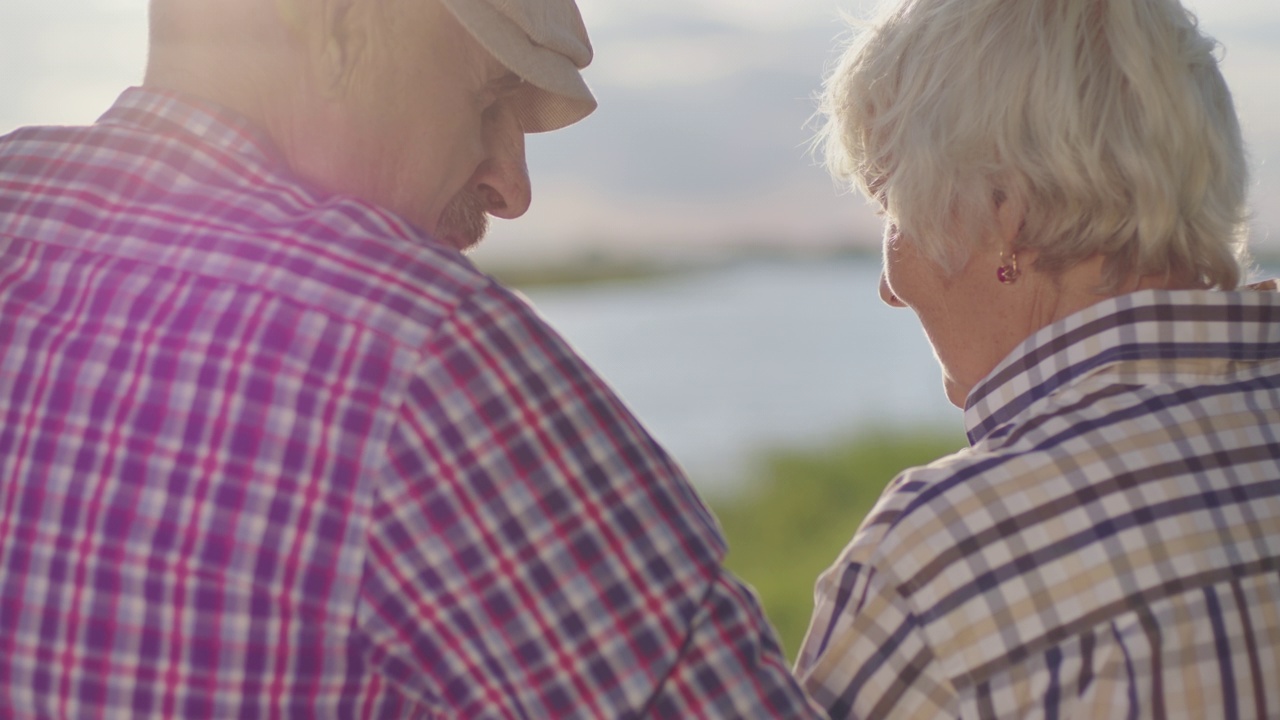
(1063, 185)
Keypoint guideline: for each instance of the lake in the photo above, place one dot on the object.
(726, 364)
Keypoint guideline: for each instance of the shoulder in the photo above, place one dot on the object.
(969, 524)
(924, 510)
(219, 205)
(987, 547)
(932, 560)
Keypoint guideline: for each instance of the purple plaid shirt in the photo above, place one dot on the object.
(266, 452)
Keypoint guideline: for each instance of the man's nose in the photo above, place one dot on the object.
(502, 178)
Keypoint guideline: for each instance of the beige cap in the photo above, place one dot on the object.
(545, 43)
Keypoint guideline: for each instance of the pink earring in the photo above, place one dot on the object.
(1008, 272)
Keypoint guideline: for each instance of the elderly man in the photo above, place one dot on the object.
(271, 447)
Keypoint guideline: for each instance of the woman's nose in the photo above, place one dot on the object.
(887, 295)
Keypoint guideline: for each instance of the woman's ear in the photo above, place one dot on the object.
(1011, 215)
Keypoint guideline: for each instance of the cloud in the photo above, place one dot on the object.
(667, 61)
(704, 104)
(65, 61)
(574, 219)
(702, 130)
(1236, 16)
(753, 15)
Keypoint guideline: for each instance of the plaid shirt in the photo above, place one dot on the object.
(266, 452)
(1108, 547)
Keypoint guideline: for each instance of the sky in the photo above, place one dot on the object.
(701, 142)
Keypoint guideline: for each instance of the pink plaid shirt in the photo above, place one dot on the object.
(267, 452)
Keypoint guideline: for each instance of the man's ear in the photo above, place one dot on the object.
(331, 33)
(290, 13)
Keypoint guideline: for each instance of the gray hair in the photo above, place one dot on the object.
(1108, 120)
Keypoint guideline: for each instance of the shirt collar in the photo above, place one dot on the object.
(168, 113)
(1145, 325)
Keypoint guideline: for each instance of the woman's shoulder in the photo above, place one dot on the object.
(965, 510)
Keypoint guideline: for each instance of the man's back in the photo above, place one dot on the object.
(264, 451)
(183, 434)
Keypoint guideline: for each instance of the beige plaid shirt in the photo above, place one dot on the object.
(1108, 547)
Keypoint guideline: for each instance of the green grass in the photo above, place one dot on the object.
(800, 513)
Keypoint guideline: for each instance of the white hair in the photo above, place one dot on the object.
(1108, 120)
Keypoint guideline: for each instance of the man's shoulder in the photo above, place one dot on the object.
(231, 215)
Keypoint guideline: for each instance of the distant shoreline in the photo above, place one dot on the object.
(602, 268)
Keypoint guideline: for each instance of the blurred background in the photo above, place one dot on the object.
(686, 241)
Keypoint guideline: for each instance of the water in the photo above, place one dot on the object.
(724, 365)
